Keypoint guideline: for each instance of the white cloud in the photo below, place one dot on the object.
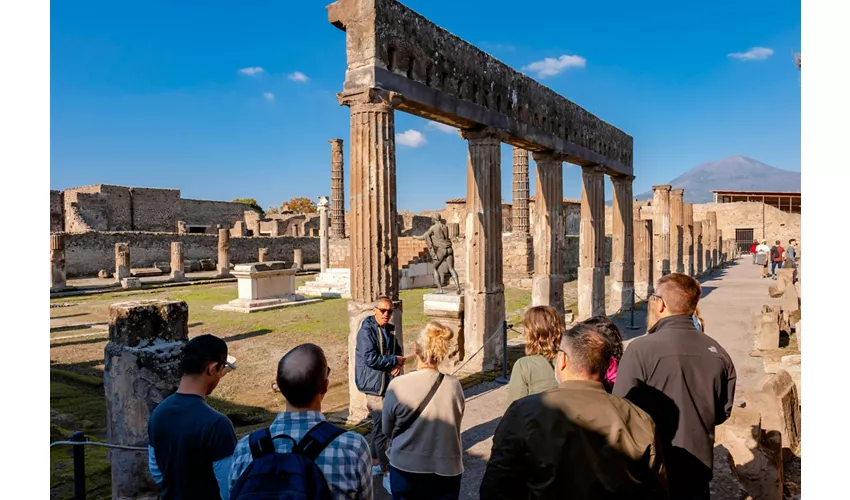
(411, 138)
(251, 71)
(298, 77)
(754, 54)
(441, 127)
(551, 66)
(269, 96)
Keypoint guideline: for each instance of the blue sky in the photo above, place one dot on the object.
(151, 94)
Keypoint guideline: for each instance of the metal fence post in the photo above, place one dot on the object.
(79, 454)
(504, 378)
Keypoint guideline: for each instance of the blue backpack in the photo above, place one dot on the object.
(286, 476)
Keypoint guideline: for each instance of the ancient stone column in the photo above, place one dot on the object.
(698, 255)
(141, 368)
(643, 256)
(622, 245)
(373, 222)
(177, 263)
(223, 253)
(721, 250)
(519, 213)
(324, 256)
(688, 242)
(484, 300)
(677, 220)
(58, 277)
(547, 285)
(591, 270)
(706, 246)
(337, 190)
(298, 260)
(122, 261)
(712, 236)
(660, 231)
(263, 254)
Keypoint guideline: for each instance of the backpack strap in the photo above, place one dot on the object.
(407, 423)
(261, 443)
(317, 439)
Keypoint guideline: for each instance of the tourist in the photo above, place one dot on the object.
(534, 373)
(685, 380)
(342, 458)
(575, 441)
(699, 323)
(764, 252)
(190, 444)
(791, 257)
(753, 250)
(422, 414)
(377, 359)
(609, 330)
(776, 255)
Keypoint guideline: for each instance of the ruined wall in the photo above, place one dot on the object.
(338, 250)
(87, 253)
(767, 222)
(572, 215)
(57, 212)
(100, 207)
(210, 213)
(153, 209)
(410, 224)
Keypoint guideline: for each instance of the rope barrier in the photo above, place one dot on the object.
(96, 443)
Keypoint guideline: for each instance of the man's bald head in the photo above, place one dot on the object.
(302, 375)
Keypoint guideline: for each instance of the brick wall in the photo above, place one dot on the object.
(87, 253)
(517, 256)
(155, 210)
(338, 250)
(100, 207)
(410, 249)
(57, 212)
(210, 213)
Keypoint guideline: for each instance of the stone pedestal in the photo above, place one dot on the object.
(297, 259)
(484, 301)
(591, 271)
(141, 369)
(622, 246)
(519, 211)
(337, 190)
(549, 233)
(324, 256)
(223, 254)
(677, 233)
(263, 254)
(58, 276)
(448, 309)
(122, 261)
(131, 284)
(660, 231)
(177, 262)
(263, 286)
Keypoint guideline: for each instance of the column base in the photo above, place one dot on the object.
(642, 291)
(177, 276)
(622, 296)
(591, 292)
(483, 316)
(548, 290)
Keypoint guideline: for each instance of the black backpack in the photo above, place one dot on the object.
(286, 476)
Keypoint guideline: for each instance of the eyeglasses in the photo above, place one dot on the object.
(384, 311)
(655, 295)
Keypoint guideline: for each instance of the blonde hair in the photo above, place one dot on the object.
(699, 318)
(433, 343)
(543, 330)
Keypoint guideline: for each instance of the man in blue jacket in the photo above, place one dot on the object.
(377, 359)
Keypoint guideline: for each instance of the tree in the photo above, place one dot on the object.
(272, 210)
(302, 205)
(251, 202)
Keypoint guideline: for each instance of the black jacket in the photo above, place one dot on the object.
(685, 380)
(373, 360)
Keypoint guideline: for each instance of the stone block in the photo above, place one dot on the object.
(781, 409)
(767, 330)
(131, 283)
(725, 484)
(758, 461)
(104, 274)
(164, 267)
(192, 266)
(207, 265)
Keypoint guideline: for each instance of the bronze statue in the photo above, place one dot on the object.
(440, 248)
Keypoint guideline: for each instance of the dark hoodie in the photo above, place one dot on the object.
(375, 358)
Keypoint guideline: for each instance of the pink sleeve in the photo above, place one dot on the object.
(611, 374)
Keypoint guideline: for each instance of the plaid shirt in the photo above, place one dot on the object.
(345, 462)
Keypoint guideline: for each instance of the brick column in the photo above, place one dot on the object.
(591, 271)
(548, 281)
(622, 255)
(688, 242)
(519, 215)
(223, 253)
(122, 261)
(177, 264)
(141, 368)
(484, 300)
(337, 190)
(58, 276)
(660, 231)
(373, 222)
(643, 255)
(712, 236)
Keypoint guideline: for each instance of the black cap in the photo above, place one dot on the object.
(201, 351)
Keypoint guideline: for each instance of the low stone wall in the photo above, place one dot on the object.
(87, 253)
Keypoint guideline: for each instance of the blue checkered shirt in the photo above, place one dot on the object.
(346, 462)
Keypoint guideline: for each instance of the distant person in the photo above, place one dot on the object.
(190, 444)
(685, 380)
(575, 441)
(791, 257)
(534, 373)
(776, 255)
(378, 357)
(609, 330)
(422, 414)
(753, 250)
(764, 254)
(322, 460)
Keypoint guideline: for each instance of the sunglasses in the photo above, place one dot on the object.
(384, 311)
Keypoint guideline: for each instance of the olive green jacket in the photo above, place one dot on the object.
(530, 375)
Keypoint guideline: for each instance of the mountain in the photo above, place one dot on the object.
(736, 173)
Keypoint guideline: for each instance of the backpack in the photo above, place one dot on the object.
(774, 254)
(286, 476)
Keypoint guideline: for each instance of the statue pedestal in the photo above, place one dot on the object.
(263, 286)
(447, 308)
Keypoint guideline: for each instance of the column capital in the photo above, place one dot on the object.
(622, 179)
(677, 192)
(547, 157)
(369, 96)
(593, 170)
(335, 141)
(482, 134)
(662, 187)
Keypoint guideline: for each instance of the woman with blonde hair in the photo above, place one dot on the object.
(534, 373)
(422, 415)
(699, 323)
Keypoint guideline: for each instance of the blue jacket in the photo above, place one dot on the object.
(372, 363)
